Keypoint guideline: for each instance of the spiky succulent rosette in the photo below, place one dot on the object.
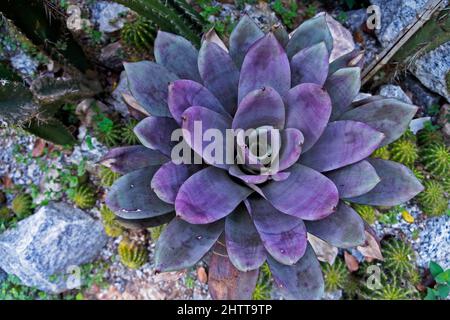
(263, 81)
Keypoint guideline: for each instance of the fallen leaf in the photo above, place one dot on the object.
(201, 275)
(325, 252)
(7, 182)
(371, 248)
(407, 216)
(38, 148)
(132, 102)
(351, 262)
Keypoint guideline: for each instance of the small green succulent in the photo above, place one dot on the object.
(427, 137)
(404, 151)
(368, 213)
(132, 254)
(128, 135)
(138, 34)
(84, 197)
(392, 291)
(22, 205)
(436, 159)
(382, 153)
(112, 228)
(398, 258)
(335, 275)
(107, 176)
(418, 173)
(5, 214)
(432, 199)
(263, 286)
(446, 184)
(108, 133)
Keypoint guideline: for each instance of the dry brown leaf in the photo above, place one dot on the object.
(132, 102)
(324, 251)
(211, 36)
(371, 248)
(351, 262)
(38, 148)
(201, 275)
(7, 182)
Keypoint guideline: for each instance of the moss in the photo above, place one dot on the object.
(128, 135)
(432, 200)
(436, 159)
(368, 213)
(335, 275)
(132, 254)
(84, 197)
(22, 205)
(398, 258)
(404, 151)
(107, 176)
(112, 228)
(382, 153)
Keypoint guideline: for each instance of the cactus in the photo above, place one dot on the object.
(382, 153)
(398, 258)
(335, 275)
(110, 136)
(5, 214)
(84, 197)
(112, 228)
(392, 291)
(404, 151)
(263, 286)
(22, 205)
(368, 213)
(446, 185)
(436, 159)
(139, 33)
(107, 176)
(132, 254)
(432, 199)
(427, 137)
(128, 135)
(419, 174)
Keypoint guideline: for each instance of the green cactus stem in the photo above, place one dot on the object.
(436, 159)
(22, 205)
(132, 254)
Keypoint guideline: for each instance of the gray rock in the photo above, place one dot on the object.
(45, 247)
(108, 15)
(432, 68)
(392, 91)
(421, 96)
(355, 19)
(3, 276)
(117, 99)
(396, 15)
(112, 56)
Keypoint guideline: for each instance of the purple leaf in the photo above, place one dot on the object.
(355, 179)
(148, 83)
(308, 109)
(398, 184)
(283, 236)
(291, 147)
(127, 159)
(301, 281)
(178, 55)
(208, 196)
(181, 245)
(309, 33)
(306, 194)
(145, 223)
(247, 178)
(354, 58)
(389, 116)
(343, 229)
(343, 86)
(206, 119)
(244, 35)
(310, 65)
(225, 282)
(219, 74)
(156, 132)
(342, 143)
(261, 107)
(131, 197)
(168, 179)
(186, 93)
(265, 65)
(244, 245)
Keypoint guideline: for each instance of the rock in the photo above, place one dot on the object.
(444, 121)
(421, 96)
(3, 276)
(392, 91)
(111, 56)
(109, 15)
(24, 64)
(418, 124)
(432, 69)
(355, 19)
(45, 247)
(342, 38)
(396, 15)
(117, 99)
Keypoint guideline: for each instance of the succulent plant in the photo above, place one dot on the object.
(427, 137)
(392, 291)
(405, 151)
(446, 184)
(22, 205)
(436, 159)
(368, 213)
(138, 33)
(305, 104)
(420, 175)
(382, 153)
(432, 199)
(112, 227)
(399, 258)
(132, 254)
(5, 214)
(107, 176)
(110, 136)
(128, 135)
(84, 197)
(335, 275)
(263, 287)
